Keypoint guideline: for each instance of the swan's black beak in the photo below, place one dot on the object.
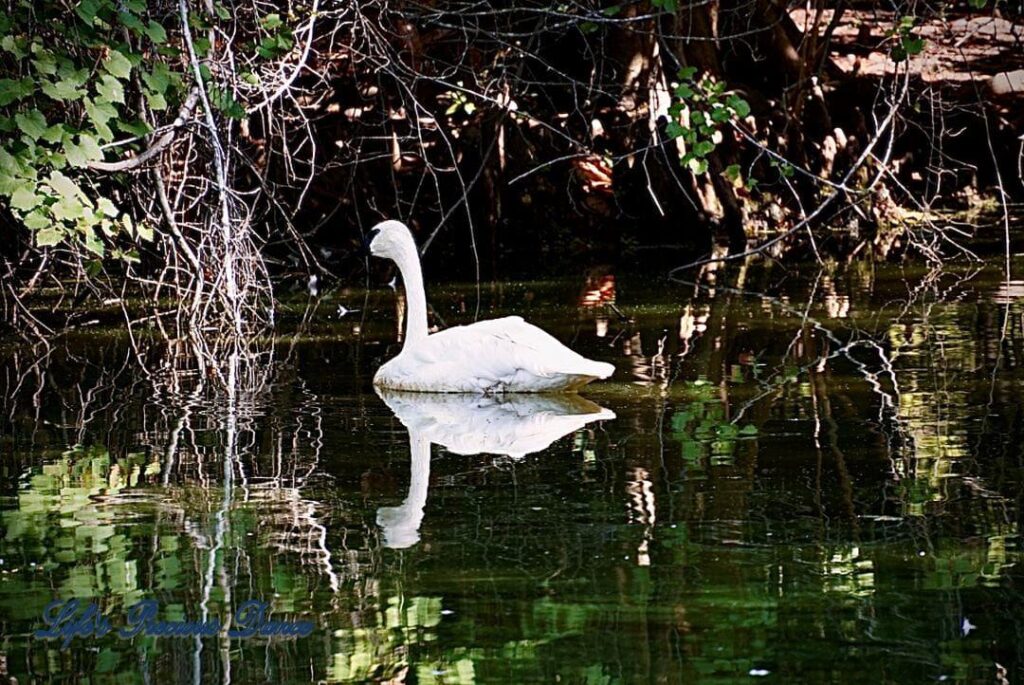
(364, 248)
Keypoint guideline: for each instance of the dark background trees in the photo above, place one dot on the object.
(205, 149)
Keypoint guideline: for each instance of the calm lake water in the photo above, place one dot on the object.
(788, 479)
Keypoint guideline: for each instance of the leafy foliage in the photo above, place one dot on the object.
(905, 43)
(67, 104)
(707, 106)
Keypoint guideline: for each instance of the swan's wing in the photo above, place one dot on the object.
(506, 348)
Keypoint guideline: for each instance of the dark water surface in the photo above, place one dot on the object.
(806, 480)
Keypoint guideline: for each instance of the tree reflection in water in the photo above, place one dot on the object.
(818, 480)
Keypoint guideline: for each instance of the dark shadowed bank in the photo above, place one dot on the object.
(212, 154)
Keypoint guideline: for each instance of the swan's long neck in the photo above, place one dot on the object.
(408, 261)
(419, 482)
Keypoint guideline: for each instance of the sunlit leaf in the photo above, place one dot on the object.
(156, 100)
(111, 89)
(32, 123)
(156, 32)
(45, 63)
(64, 185)
(117, 65)
(107, 207)
(14, 46)
(63, 89)
(158, 79)
(25, 198)
(49, 236)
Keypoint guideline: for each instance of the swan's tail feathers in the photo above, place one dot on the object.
(603, 369)
(595, 370)
(590, 372)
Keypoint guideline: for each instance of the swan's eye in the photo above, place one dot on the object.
(373, 234)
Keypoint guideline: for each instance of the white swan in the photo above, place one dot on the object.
(495, 356)
(513, 425)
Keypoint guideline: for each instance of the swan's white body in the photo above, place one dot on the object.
(505, 355)
(513, 425)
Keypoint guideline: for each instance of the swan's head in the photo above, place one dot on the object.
(389, 239)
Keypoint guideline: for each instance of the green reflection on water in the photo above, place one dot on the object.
(819, 483)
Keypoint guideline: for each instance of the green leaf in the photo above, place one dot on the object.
(45, 63)
(99, 111)
(271, 21)
(674, 129)
(131, 22)
(68, 209)
(136, 127)
(732, 172)
(721, 115)
(54, 134)
(738, 105)
(8, 164)
(25, 198)
(91, 147)
(49, 236)
(158, 79)
(12, 90)
(117, 65)
(94, 244)
(749, 429)
(703, 148)
(13, 45)
(64, 185)
(111, 89)
(107, 207)
(144, 230)
(36, 220)
(913, 45)
(687, 73)
(698, 166)
(202, 46)
(87, 10)
(76, 155)
(156, 101)
(32, 123)
(156, 32)
(63, 90)
(684, 92)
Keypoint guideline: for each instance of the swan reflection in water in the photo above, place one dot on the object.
(512, 425)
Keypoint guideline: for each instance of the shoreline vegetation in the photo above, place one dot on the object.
(214, 155)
